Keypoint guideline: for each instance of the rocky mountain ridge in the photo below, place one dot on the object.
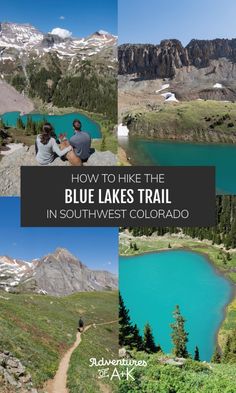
(58, 274)
(18, 40)
(163, 60)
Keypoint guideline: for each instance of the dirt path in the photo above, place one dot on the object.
(58, 383)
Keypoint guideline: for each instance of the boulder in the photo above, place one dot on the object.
(10, 167)
(178, 362)
(100, 158)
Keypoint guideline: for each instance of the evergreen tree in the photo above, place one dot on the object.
(20, 124)
(29, 126)
(148, 340)
(2, 124)
(34, 128)
(196, 354)
(224, 233)
(137, 339)
(229, 350)
(216, 357)
(125, 326)
(103, 144)
(179, 335)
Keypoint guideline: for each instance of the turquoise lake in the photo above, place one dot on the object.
(61, 123)
(153, 284)
(222, 156)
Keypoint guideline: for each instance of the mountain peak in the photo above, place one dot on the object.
(59, 273)
(63, 251)
(103, 32)
(20, 39)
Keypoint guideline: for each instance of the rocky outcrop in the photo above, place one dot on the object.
(49, 40)
(162, 61)
(200, 52)
(13, 374)
(10, 167)
(152, 61)
(58, 274)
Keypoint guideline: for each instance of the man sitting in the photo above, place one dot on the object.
(81, 142)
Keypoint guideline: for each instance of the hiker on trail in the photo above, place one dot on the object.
(81, 142)
(47, 149)
(81, 325)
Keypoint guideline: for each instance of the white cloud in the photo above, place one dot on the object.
(103, 32)
(63, 33)
(62, 17)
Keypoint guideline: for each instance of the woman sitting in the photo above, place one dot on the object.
(47, 149)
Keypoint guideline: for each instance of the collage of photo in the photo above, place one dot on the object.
(117, 83)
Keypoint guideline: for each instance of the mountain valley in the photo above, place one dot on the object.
(60, 71)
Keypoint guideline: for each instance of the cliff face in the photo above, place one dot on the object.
(158, 61)
(162, 61)
(200, 52)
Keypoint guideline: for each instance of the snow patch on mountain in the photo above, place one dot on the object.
(218, 86)
(169, 97)
(122, 131)
(22, 40)
(163, 87)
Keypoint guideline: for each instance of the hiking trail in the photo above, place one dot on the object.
(58, 383)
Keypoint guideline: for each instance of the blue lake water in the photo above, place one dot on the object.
(153, 284)
(61, 123)
(222, 156)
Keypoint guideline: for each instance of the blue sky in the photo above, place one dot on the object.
(96, 247)
(80, 17)
(150, 21)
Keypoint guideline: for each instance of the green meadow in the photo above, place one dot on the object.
(39, 329)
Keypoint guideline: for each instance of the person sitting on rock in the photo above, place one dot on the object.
(81, 142)
(47, 148)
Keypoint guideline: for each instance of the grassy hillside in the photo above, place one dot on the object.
(192, 377)
(197, 121)
(100, 342)
(39, 329)
(229, 322)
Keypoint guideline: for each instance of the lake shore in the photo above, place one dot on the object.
(156, 244)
